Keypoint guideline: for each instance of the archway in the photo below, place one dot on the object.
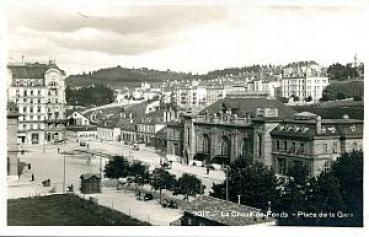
(225, 149)
(246, 149)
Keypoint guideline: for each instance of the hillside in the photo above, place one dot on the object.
(344, 89)
(119, 77)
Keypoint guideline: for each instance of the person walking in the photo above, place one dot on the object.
(58, 150)
(32, 177)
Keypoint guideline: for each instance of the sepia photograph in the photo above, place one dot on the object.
(176, 113)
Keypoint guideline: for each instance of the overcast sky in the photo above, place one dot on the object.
(191, 38)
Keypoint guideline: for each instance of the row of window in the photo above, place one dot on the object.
(28, 82)
(31, 126)
(292, 148)
(34, 93)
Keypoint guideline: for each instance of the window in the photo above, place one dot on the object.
(285, 145)
(31, 109)
(277, 145)
(302, 147)
(39, 92)
(31, 92)
(38, 109)
(260, 145)
(334, 148)
(25, 93)
(17, 93)
(281, 166)
(39, 101)
(327, 166)
(205, 144)
(24, 109)
(325, 148)
(24, 100)
(293, 147)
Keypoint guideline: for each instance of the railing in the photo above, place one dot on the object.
(225, 120)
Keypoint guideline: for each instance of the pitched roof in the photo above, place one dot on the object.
(32, 71)
(241, 106)
(216, 209)
(90, 175)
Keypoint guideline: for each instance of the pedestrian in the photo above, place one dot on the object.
(58, 150)
(207, 170)
(29, 166)
(32, 177)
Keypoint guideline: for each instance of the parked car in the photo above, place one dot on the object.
(82, 143)
(148, 196)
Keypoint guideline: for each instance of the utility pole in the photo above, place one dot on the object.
(64, 169)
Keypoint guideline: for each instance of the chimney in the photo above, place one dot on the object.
(345, 116)
(318, 125)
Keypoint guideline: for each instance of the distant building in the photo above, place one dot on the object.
(78, 119)
(210, 211)
(313, 142)
(304, 80)
(12, 127)
(38, 90)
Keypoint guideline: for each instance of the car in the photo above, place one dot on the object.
(82, 143)
(148, 197)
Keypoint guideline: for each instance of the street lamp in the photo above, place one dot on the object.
(227, 171)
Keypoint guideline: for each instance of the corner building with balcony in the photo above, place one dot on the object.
(38, 90)
(313, 142)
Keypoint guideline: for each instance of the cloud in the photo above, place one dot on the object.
(125, 30)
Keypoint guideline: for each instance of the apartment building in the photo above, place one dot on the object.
(38, 90)
(304, 80)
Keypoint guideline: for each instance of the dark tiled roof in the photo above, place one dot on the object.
(306, 128)
(249, 106)
(90, 175)
(35, 70)
(129, 127)
(214, 208)
(162, 132)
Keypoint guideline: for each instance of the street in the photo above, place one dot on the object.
(46, 164)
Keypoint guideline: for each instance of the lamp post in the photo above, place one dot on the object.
(227, 171)
(64, 169)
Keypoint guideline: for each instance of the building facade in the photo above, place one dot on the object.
(38, 90)
(229, 129)
(12, 127)
(304, 80)
(312, 142)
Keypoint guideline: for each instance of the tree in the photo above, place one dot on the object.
(308, 99)
(341, 96)
(348, 169)
(189, 184)
(117, 168)
(161, 178)
(140, 173)
(254, 181)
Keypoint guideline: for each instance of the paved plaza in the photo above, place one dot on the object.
(74, 160)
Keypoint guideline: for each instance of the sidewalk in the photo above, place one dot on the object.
(126, 202)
